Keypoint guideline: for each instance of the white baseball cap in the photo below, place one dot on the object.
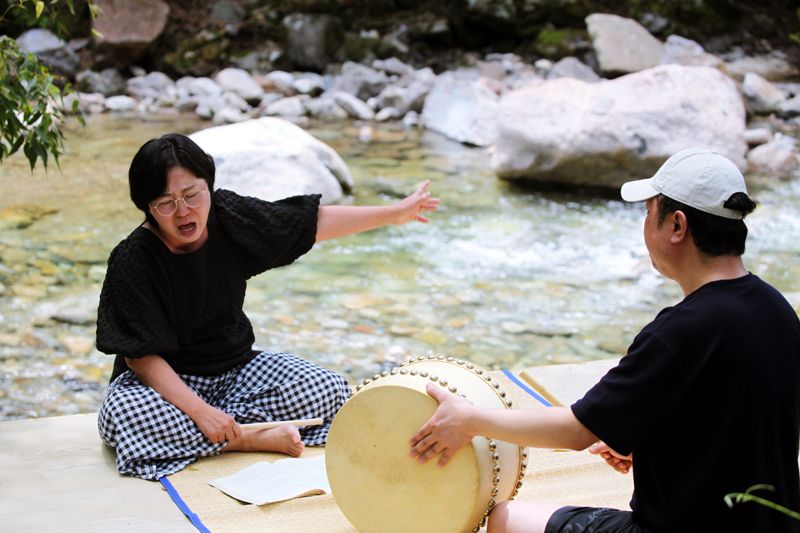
(696, 177)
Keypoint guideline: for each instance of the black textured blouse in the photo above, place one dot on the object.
(187, 308)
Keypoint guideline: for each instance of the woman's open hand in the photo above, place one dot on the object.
(415, 205)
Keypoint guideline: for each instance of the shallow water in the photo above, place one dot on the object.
(503, 276)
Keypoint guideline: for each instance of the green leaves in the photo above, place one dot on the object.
(31, 107)
(31, 103)
(748, 496)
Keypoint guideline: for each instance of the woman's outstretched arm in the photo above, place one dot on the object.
(340, 220)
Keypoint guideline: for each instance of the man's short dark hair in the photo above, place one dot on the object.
(147, 176)
(713, 235)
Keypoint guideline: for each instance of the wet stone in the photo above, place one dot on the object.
(22, 216)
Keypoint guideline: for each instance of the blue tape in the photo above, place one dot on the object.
(527, 389)
(193, 518)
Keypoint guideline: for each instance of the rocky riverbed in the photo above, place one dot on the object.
(504, 276)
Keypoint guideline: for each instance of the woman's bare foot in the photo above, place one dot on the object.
(282, 439)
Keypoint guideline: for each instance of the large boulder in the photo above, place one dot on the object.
(461, 108)
(271, 158)
(603, 134)
(127, 29)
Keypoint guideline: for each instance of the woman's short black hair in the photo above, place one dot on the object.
(147, 176)
(713, 235)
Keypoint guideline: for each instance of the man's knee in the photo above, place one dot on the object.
(498, 520)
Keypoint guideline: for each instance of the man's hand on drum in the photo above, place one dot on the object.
(617, 461)
(446, 431)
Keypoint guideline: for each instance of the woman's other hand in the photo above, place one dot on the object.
(217, 425)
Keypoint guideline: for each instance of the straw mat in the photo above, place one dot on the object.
(566, 477)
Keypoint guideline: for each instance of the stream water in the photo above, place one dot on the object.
(503, 276)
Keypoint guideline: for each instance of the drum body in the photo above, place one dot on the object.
(381, 489)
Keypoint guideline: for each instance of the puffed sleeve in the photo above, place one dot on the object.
(272, 234)
(133, 318)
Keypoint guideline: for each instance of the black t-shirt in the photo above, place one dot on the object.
(187, 308)
(708, 402)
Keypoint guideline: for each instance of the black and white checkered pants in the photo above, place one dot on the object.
(153, 438)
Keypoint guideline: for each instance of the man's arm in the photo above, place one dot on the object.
(340, 220)
(156, 373)
(456, 421)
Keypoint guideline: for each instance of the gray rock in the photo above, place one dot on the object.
(92, 103)
(207, 106)
(777, 158)
(272, 158)
(360, 80)
(603, 134)
(282, 81)
(756, 136)
(762, 96)
(571, 67)
(682, 51)
(51, 51)
(790, 108)
(313, 40)
(622, 45)
(120, 104)
(461, 109)
(388, 113)
(291, 106)
(408, 94)
(199, 86)
(78, 309)
(151, 85)
(353, 106)
(393, 66)
(229, 115)
(772, 67)
(325, 108)
(108, 82)
(309, 83)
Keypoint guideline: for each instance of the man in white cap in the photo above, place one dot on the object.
(705, 403)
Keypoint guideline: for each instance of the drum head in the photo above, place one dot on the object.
(378, 487)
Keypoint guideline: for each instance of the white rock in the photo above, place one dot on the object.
(756, 136)
(239, 81)
(762, 96)
(776, 158)
(354, 107)
(272, 158)
(120, 104)
(461, 109)
(603, 134)
(291, 106)
(622, 45)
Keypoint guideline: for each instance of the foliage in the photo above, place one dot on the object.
(748, 496)
(31, 101)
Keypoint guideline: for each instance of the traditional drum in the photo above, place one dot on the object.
(381, 489)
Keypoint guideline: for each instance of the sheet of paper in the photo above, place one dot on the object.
(265, 482)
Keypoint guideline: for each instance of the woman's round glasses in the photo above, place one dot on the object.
(167, 207)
